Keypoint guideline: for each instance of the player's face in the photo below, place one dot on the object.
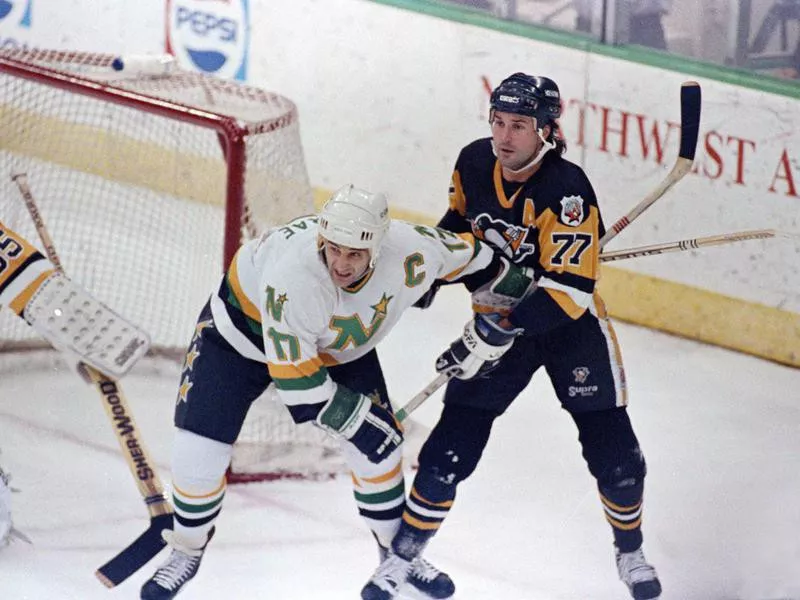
(345, 265)
(515, 139)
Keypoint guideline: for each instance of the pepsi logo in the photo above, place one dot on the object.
(209, 35)
(17, 12)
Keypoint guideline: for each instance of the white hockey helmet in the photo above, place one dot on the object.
(355, 218)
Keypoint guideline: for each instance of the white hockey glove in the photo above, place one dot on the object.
(505, 291)
(87, 330)
(478, 350)
(366, 424)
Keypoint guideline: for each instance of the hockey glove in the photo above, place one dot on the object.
(505, 291)
(478, 350)
(366, 424)
(83, 328)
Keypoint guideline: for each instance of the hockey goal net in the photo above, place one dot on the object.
(148, 180)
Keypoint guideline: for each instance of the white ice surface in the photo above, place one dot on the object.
(720, 430)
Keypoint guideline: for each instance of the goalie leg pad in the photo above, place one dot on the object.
(75, 322)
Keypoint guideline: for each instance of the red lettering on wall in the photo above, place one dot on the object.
(740, 148)
(784, 172)
(654, 138)
(581, 139)
(607, 129)
(712, 138)
(615, 131)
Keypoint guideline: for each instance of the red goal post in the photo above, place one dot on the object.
(148, 181)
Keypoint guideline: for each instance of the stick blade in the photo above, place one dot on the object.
(137, 554)
(690, 118)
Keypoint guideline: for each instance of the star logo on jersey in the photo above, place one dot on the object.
(352, 331)
(515, 241)
(382, 307)
(275, 302)
(183, 391)
(572, 210)
(198, 330)
(191, 356)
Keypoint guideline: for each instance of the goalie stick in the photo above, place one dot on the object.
(149, 543)
(690, 128)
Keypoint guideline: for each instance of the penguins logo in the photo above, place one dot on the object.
(510, 239)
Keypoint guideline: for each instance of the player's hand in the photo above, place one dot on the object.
(366, 424)
(504, 292)
(478, 350)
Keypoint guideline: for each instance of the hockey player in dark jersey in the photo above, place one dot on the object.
(516, 192)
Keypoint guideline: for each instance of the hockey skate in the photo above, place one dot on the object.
(394, 572)
(429, 581)
(171, 577)
(640, 577)
(387, 580)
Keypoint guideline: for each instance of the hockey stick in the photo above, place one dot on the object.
(679, 246)
(690, 128)
(428, 391)
(149, 543)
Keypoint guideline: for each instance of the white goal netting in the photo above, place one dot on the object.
(147, 181)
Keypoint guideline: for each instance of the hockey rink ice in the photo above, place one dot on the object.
(720, 431)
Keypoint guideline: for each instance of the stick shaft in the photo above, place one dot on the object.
(114, 401)
(689, 244)
(690, 129)
(423, 395)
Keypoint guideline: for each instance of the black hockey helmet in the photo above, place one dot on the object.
(528, 95)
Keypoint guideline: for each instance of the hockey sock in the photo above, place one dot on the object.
(198, 486)
(427, 507)
(623, 510)
(379, 491)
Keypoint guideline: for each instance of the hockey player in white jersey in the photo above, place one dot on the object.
(312, 299)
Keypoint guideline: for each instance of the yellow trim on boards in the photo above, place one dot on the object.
(702, 315)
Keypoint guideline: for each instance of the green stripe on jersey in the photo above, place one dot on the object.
(302, 383)
(230, 298)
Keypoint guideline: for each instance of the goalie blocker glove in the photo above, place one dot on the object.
(479, 348)
(78, 324)
(366, 424)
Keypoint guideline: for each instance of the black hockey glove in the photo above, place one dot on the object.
(478, 350)
(366, 424)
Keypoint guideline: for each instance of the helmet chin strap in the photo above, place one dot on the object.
(536, 159)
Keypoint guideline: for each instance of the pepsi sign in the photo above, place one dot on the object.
(14, 15)
(212, 36)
